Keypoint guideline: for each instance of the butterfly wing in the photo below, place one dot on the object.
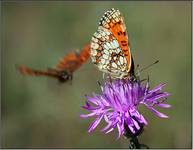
(114, 21)
(73, 60)
(68, 62)
(85, 53)
(34, 72)
(108, 50)
(107, 54)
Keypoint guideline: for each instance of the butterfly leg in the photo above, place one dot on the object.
(146, 79)
(99, 83)
(103, 75)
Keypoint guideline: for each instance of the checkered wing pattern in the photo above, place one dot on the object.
(110, 51)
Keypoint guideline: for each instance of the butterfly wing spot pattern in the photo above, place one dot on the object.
(110, 50)
(64, 70)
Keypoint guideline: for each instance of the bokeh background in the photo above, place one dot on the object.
(38, 112)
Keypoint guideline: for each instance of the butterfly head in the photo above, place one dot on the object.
(64, 76)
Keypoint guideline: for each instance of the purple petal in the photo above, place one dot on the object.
(106, 127)
(87, 115)
(146, 88)
(129, 121)
(94, 100)
(119, 130)
(158, 113)
(164, 105)
(157, 96)
(89, 107)
(143, 120)
(109, 130)
(136, 124)
(104, 101)
(157, 88)
(131, 129)
(106, 118)
(94, 124)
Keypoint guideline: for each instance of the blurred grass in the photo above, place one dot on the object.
(40, 113)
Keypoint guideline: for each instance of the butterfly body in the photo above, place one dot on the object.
(110, 50)
(64, 70)
(61, 75)
(64, 76)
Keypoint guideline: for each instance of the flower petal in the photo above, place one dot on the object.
(109, 130)
(119, 130)
(157, 88)
(89, 107)
(87, 115)
(164, 105)
(157, 96)
(158, 113)
(104, 101)
(106, 127)
(143, 120)
(94, 124)
(131, 128)
(94, 100)
(136, 124)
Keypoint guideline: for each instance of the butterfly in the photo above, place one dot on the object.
(65, 68)
(110, 50)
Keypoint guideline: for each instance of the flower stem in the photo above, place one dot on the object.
(134, 144)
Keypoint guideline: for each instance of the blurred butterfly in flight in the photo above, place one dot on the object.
(64, 70)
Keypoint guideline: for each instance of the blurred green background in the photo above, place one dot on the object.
(38, 112)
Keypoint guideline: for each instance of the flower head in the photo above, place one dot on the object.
(118, 102)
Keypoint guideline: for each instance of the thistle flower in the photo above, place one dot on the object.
(118, 102)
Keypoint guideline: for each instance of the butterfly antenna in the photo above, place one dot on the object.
(137, 69)
(147, 78)
(148, 66)
(100, 84)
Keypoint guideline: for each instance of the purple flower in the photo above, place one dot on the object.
(118, 102)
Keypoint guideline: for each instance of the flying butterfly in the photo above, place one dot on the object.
(110, 50)
(63, 71)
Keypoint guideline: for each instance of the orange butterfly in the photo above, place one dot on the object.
(110, 50)
(64, 70)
